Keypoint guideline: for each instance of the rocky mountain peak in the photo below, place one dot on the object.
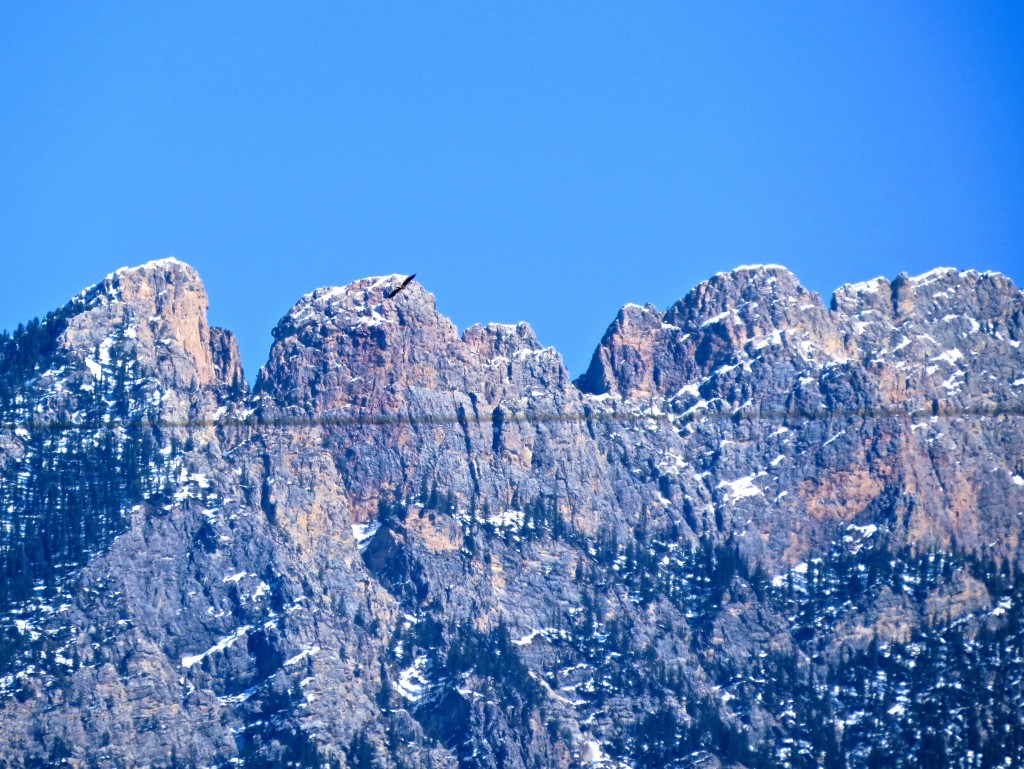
(646, 353)
(363, 302)
(931, 295)
(350, 344)
(623, 363)
(339, 340)
(761, 296)
(159, 310)
(944, 291)
(875, 295)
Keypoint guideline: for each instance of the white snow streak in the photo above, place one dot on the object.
(221, 645)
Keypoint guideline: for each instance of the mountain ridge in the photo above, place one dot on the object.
(376, 558)
(844, 298)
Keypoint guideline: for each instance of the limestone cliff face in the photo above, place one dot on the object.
(160, 308)
(827, 416)
(430, 408)
(414, 547)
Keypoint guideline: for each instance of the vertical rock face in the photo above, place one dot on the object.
(161, 308)
(405, 405)
(849, 388)
(410, 547)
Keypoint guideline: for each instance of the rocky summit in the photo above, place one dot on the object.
(758, 531)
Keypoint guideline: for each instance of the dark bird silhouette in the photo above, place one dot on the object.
(405, 283)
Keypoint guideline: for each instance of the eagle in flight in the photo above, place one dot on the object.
(405, 283)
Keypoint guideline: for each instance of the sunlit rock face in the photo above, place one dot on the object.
(410, 547)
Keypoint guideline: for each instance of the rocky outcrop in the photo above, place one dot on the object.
(159, 311)
(646, 353)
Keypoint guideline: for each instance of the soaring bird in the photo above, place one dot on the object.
(405, 283)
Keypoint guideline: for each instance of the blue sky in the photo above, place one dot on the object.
(546, 162)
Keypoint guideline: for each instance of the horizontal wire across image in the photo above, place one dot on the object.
(891, 411)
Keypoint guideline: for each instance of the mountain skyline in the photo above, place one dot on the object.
(584, 494)
(825, 297)
(196, 573)
(535, 163)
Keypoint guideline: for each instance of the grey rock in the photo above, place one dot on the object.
(419, 548)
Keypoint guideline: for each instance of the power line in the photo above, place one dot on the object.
(886, 411)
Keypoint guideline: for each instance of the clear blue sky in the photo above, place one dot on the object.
(546, 162)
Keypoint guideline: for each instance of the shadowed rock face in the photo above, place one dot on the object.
(419, 548)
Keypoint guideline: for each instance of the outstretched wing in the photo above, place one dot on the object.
(405, 283)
